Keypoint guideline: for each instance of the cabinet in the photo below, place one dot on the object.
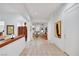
(22, 30)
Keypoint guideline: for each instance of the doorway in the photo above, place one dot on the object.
(40, 31)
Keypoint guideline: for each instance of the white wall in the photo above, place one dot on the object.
(70, 30)
(51, 34)
(13, 49)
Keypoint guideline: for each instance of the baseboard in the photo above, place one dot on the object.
(66, 54)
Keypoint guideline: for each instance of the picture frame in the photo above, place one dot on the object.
(58, 29)
(10, 29)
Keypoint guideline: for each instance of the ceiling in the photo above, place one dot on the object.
(38, 12)
(41, 11)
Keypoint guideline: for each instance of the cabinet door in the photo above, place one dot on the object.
(22, 31)
(25, 31)
(19, 29)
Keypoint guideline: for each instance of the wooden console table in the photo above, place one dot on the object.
(8, 41)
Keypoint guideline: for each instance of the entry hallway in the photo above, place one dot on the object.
(54, 27)
(41, 47)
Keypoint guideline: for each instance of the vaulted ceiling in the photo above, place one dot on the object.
(41, 11)
(38, 12)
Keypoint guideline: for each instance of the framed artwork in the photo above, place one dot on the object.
(10, 29)
(58, 29)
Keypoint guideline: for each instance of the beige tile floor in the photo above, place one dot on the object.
(41, 47)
